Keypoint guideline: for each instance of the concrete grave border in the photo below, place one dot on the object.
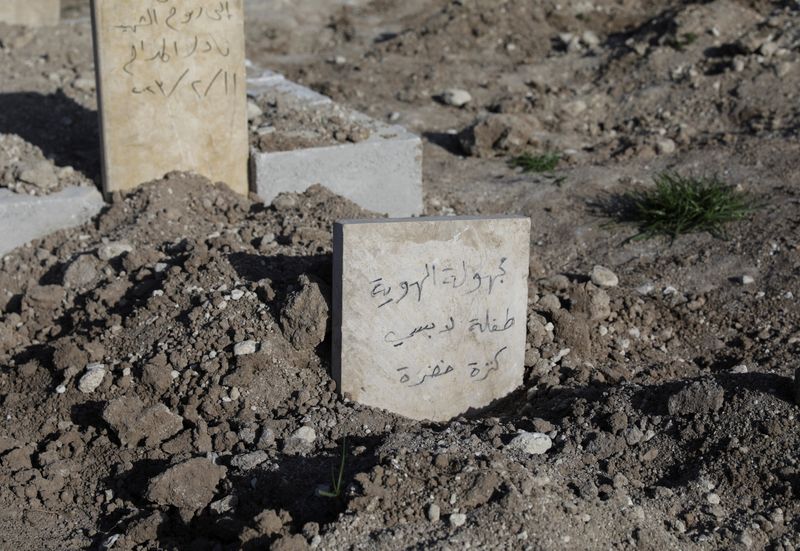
(382, 173)
(24, 218)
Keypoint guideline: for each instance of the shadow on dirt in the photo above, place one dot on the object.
(281, 268)
(288, 485)
(65, 131)
(448, 142)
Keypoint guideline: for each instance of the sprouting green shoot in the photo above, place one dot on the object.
(681, 42)
(337, 482)
(679, 205)
(546, 162)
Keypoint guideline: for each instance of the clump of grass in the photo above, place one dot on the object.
(681, 42)
(337, 482)
(679, 205)
(546, 162)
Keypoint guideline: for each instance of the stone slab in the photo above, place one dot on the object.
(24, 218)
(32, 13)
(430, 314)
(382, 173)
(172, 90)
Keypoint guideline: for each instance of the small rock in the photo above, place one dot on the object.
(187, 486)
(768, 48)
(285, 201)
(665, 146)
(113, 249)
(491, 133)
(41, 174)
(534, 443)
(95, 373)
(266, 440)
(456, 97)
(713, 498)
(458, 519)
(80, 272)
(617, 421)
(304, 318)
(574, 108)
(301, 441)
(253, 110)
(133, 423)
(548, 303)
(603, 277)
(268, 522)
(739, 369)
(84, 84)
(247, 434)
(157, 375)
(433, 512)
(68, 355)
(645, 288)
(245, 347)
(248, 461)
(222, 506)
(590, 39)
(18, 459)
(633, 435)
(747, 280)
(306, 435)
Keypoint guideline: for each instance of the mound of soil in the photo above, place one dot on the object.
(164, 369)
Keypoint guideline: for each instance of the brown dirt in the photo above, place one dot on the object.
(668, 399)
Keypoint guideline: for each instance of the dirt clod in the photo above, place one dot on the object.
(188, 486)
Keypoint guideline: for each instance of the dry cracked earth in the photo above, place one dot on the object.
(164, 369)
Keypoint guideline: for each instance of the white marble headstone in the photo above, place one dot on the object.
(172, 90)
(430, 313)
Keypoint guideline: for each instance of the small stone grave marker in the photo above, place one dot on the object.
(430, 314)
(172, 90)
(33, 13)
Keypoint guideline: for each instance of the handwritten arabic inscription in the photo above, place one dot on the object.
(430, 313)
(171, 77)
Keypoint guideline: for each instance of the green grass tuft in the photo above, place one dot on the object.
(679, 205)
(546, 162)
(337, 482)
(680, 43)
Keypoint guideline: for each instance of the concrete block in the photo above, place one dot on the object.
(32, 13)
(24, 218)
(430, 314)
(382, 173)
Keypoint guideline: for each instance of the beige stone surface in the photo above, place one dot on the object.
(33, 13)
(172, 90)
(430, 313)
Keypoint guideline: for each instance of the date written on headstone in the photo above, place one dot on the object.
(172, 89)
(430, 314)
